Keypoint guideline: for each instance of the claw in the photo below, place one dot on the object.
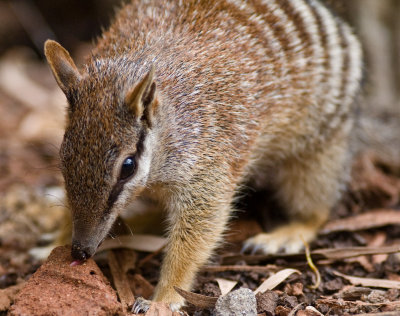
(141, 305)
(245, 247)
(255, 249)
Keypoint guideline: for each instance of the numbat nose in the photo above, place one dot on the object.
(80, 253)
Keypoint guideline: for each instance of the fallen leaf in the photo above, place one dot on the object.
(197, 300)
(371, 219)
(370, 282)
(225, 285)
(275, 280)
(147, 243)
(342, 253)
(120, 281)
(319, 254)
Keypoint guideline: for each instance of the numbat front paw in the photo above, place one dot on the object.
(142, 305)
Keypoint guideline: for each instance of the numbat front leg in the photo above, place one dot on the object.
(193, 234)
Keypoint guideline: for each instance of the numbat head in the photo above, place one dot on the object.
(105, 154)
(189, 100)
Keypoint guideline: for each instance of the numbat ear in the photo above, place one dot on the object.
(62, 66)
(141, 98)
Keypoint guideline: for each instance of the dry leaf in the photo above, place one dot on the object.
(372, 219)
(319, 254)
(197, 300)
(148, 243)
(387, 284)
(275, 280)
(342, 253)
(225, 285)
(120, 281)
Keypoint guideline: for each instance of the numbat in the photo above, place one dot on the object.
(189, 100)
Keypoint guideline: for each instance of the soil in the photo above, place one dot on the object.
(57, 286)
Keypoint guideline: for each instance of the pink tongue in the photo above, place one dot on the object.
(76, 263)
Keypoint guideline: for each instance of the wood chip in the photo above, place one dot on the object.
(225, 285)
(197, 300)
(275, 279)
(147, 243)
(370, 282)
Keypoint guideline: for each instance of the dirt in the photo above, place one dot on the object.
(57, 287)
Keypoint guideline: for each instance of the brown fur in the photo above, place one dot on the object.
(241, 91)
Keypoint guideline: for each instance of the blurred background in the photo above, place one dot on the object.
(32, 106)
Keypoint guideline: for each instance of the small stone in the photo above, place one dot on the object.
(241, 302)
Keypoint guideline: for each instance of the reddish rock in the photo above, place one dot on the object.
(59, 289)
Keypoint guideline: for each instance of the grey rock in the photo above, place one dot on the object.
(241, 302)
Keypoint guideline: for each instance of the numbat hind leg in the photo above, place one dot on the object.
(308, 187)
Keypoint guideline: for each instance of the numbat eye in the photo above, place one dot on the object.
(128, 168)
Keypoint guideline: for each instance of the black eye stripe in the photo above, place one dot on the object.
(119, 185)
(140, 143)
(115, 192)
